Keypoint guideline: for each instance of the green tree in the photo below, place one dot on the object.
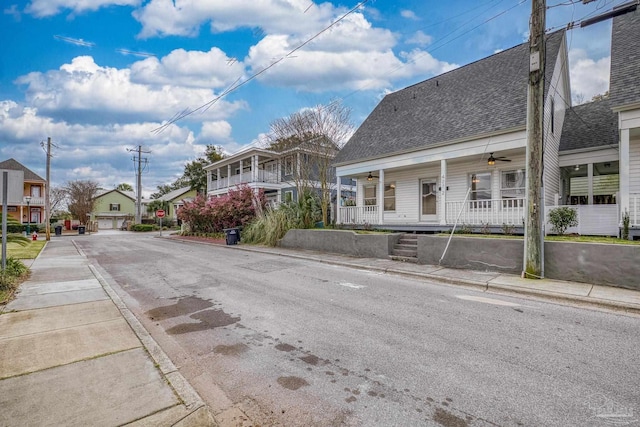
(124, 187)
(194, 174)
(14, 237)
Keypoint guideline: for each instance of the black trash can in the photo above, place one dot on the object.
(233, 235)
(58, 229)
(81, 229)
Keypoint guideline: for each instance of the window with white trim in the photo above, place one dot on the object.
(513, 186)
(370, 195)
(390, 196)
(288, 165)
(114, 207)
(480, 194)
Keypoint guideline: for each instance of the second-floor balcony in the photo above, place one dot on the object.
(245, 178)
(33, 201)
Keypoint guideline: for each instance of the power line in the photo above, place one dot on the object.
(235, 87)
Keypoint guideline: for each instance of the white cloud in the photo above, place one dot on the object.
(420, 38)
(44, 8)
(409, 14)
(84, 90)
(588, 77)
(213, 69)
(99, 152)
(164, 17)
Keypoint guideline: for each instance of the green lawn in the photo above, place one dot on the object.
(30, 251)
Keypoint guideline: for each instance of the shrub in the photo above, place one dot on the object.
(15, 272)
(562, 218)
(625, 225)
(235, 209)
(273, 224)
(143, 227)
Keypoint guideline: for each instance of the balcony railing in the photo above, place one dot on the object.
(233, 180)
(35, 201)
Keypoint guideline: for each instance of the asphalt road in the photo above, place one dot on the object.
(294, 342)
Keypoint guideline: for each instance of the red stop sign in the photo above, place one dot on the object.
(160, 213)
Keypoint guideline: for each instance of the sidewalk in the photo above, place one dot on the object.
(608, 297)
(72, 354)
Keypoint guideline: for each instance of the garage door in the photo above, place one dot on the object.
(105, 223)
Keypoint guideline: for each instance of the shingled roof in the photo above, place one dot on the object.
(486, 96)
(15, 165)
(624, 88)
(589, 125)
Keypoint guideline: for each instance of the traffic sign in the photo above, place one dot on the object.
(160, 213)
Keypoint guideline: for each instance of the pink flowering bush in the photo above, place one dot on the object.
(234, 209)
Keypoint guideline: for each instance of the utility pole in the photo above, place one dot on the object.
(533, 242)
(47, 200)
(139, 181)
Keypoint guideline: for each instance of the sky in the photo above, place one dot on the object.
(103, 77)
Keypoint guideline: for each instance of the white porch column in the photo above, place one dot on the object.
(254, 168)
(338, 198)
(218, 180)
(381, 196)
(624, 171)
(228, 175)
(209, 182)
(443, 192)
(241, 169)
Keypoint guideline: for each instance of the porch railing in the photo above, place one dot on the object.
(359, 215)
(487, 212)
(34, 201)
(247, 177)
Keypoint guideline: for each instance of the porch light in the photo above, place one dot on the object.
(577, 168)
(491, 161)
(370, 177)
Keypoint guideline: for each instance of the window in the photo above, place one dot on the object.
(480, 190)
(369, 195)
(288, 165)
(390, 196)
(114, 207)
(288, 196)
(35, 191)
(606, 182)
(512, 186)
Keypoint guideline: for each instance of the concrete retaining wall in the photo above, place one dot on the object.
(599, 264)
(341, 242)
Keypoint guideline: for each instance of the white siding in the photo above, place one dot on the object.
(408, 192)
(558, 92)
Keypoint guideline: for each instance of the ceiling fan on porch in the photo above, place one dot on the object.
(492, 160)
(370, 177)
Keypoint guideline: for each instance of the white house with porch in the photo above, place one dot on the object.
(451, 149)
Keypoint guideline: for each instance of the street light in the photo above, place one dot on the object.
(28, 199)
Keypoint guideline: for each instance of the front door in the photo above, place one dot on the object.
(428, 200)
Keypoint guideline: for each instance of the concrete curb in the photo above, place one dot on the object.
(480, 285)
(197, 412)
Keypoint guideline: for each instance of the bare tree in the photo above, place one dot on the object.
(58, 198)
(315, 134)
(81, 198)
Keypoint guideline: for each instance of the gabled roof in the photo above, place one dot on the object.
(174, 194)
(14, 165)
(102, 192)
(487, 96)
(589, 125)
(624, 86)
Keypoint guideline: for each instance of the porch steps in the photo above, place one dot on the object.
(406, 249)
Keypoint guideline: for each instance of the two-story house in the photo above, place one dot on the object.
(25, 192)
